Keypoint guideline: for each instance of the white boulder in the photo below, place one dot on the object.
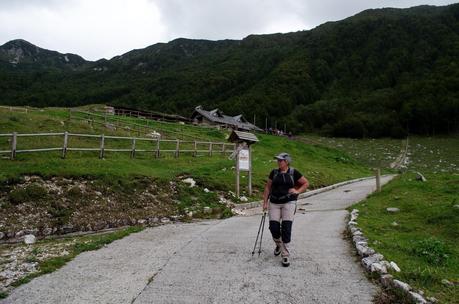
(378, 267)
(417, 298)
(392, 210)
(402, 285)
(30, 239)
(394, 266)
(189, 181)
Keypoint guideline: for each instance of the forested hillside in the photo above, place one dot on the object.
(384, 72)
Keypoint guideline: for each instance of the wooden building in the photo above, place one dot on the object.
(216, 117)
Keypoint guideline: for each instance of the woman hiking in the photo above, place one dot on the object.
(279, 198)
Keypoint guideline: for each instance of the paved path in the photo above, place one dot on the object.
(210, 262)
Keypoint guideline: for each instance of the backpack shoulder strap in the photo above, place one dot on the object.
(276, 173)
(290, 172)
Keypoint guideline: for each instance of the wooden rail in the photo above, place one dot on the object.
(16, 109)
(209, 147)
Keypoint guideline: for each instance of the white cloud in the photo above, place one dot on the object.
(218, 19)
(92, 29)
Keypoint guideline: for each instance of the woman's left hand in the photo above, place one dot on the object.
(293, 191)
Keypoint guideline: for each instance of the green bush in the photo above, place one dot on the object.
(74, 192)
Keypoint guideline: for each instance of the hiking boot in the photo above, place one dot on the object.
(285, 261)
(277, 250)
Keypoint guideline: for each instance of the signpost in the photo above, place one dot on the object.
(243, 155)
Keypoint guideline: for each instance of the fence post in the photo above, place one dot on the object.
(378, 179)
(102, 146)
(133, 148)
(66, 140)
(177, 148)
(195, 153)
(223, 148)
(210, 149)
(13, 145)
(157, 148)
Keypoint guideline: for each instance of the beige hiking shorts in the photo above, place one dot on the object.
(285, 211)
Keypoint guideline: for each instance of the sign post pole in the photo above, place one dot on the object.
(250, 171)
(237, 172)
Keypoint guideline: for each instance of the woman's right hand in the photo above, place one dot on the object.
(265, 205)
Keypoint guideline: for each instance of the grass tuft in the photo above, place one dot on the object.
(434, 251)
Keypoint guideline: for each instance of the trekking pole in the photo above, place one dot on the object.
(262, 229)
(258, 234)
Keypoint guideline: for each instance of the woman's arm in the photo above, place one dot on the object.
(266, 194)
(304, 184)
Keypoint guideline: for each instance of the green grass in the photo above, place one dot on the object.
(321, 165)
(434, 154)
(424, 242)
(373, 152)
(425, 154)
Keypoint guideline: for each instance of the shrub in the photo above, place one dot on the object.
(32, 192)
(74, 192)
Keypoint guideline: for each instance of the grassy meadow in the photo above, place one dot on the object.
(321, 165)
(423, 237)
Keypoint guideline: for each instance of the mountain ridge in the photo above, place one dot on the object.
(383, 72)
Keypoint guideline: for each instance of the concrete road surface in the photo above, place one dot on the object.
(211, 262)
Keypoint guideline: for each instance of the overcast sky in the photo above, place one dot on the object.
(98, 29)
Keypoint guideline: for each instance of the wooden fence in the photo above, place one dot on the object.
(16, 109)
(401, 158)
(210, 148)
